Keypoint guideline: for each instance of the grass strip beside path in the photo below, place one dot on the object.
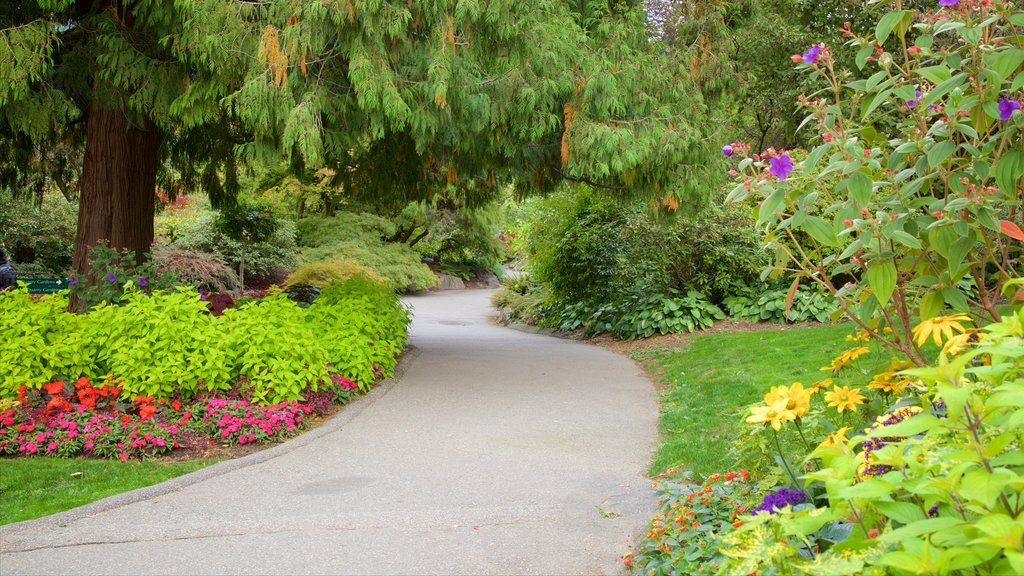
(713, 376)
(34, 487)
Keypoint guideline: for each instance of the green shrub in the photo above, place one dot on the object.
(770, 306)
(39, 239)
(321, 274)
(168, 345)
(638, 317)
(358, 237)
(115, 274)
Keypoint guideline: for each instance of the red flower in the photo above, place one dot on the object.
(176, 404)
(147, 411)
(744, 474)
(22, 390)
(87, 396)
(737, 524)
(729, 476)
(59, 404)
(126, 419)
(144, 400)
(82, 382)
(54, 388)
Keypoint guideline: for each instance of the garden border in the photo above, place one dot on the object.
(334, 424)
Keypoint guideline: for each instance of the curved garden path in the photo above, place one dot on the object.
(496, 453)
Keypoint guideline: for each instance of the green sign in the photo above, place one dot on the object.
(45, 285)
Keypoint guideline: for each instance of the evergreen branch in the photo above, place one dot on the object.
(584, 180)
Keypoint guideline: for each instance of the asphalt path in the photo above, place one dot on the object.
(497, 452)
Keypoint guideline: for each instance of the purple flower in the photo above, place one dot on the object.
(111, 278)
(1006, 108)
(779, 500)
(912, 103)
(142, 281)
(948, 3)
(780, 166)
(727, 150)
(72, 281)
(811, 56)
(933, 511)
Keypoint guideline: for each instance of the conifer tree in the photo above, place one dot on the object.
(398, 98)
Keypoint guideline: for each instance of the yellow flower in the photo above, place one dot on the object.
(820, 385)
(773, 414)
(887, 382)
(846, 358)
(843, 398)
(797, 399)
(938, 327)
(837, 438)
(961, 342)
(860, 336)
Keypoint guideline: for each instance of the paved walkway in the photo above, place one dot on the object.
(494, 454)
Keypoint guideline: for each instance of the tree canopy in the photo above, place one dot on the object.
(399, 98)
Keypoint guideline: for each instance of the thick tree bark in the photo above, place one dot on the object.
(118, 187)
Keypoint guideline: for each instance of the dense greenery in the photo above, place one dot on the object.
(168, 344)
(38, 238)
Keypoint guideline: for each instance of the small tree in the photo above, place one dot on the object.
(248, 222)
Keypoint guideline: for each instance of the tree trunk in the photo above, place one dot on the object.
(118, 187)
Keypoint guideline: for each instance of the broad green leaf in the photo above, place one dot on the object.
(932, 304)
(939, 152)
(820, 230)
(1009, 169)
(859, 187)
(892, 21)
(882, 279)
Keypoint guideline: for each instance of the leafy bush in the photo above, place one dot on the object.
(770, 306)
(358, 237)
(169, 345)
(520, 301)
(321, 274)
(199, 230)
(39, 239)
(115, 274)
(199, 269)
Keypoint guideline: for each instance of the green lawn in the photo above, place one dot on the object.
(715, 375)
(34, 487)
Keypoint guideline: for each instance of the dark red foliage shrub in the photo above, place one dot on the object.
(219, 302)
(204, 271)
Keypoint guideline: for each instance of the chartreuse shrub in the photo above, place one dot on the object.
(321, 274)
(360, 238)
(168, 345)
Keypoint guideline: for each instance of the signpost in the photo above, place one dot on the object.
(45, 285)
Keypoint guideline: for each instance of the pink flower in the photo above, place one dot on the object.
(124, 456)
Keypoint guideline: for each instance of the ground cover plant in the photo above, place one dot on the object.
(31, 488)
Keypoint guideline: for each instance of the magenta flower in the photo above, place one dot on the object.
(780, 166)
(811, 56)
(728, 150)
(948, 3)
(111, 277)
(1006, 108)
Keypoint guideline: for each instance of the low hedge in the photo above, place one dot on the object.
(168, 344)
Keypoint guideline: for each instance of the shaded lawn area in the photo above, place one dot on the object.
(34, 487)
(715, 376)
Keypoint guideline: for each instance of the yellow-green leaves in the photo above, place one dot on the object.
(882, 279)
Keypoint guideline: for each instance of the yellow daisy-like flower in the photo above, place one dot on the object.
(843, 398)
(961, 342)
(795, 396)
(846, 358)
(837, 438)
(773, 415)
(820, 385)
(887, 382)
(860, 336)
(939, 327)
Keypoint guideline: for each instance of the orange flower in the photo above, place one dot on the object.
(146, 412)
(737, 524)
(126, 419)
(176, 404)
(22, 391)
(144, 400)
(87, 397)
(54, 388)
(82, 382)
(60, 404)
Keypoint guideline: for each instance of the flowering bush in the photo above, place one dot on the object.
(917, 468)
(243, 423)
(685, 535)
(927, 157)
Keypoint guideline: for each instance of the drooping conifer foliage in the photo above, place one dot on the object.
(401, 99)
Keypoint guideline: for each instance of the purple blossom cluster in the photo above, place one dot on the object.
(241, 422)
(780, 499)
(872, 444)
